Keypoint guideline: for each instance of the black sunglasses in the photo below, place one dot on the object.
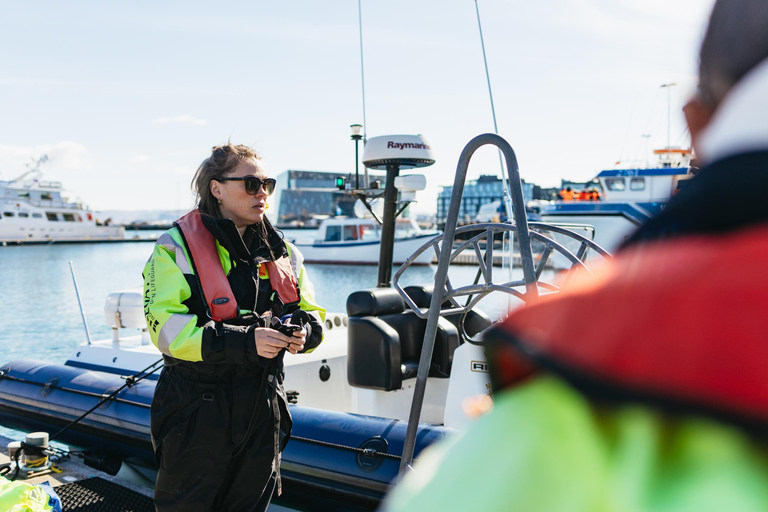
(253, 184)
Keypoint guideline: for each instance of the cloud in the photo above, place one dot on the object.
(65, 155)
(139, 159)
(185, 119)
(626, 21)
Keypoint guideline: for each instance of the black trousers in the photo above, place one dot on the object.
(213, 440)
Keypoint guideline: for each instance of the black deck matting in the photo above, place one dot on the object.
(99, 495)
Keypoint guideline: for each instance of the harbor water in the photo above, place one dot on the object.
(41, 317)
(42, 320)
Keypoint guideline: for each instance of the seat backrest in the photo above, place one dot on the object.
(384, 341)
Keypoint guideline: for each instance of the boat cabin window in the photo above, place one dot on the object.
(23, 214)
(350, 232)
(368, 232)
(68, 217)
(333, 234)
(615, 184)
(46, 196)
(37, 215)
(637, 184)
(404, 230)
(23, 194)
(52, 216)
(7, 214)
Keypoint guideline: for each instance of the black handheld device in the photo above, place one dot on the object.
(289, 329)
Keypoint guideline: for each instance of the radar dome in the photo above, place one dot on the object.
(406, 151)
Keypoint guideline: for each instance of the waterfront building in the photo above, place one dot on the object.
(303, 197)
(486, 189)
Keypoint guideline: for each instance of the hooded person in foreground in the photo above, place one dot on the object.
(664, 406)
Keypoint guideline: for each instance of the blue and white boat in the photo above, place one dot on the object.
(629, 197)
(357, 241)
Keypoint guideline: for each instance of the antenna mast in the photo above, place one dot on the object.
(507, 198)
(505, 184)
(362, 80)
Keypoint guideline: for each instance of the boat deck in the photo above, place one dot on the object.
(83, 488)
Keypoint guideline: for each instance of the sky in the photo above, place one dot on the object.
(127, 98)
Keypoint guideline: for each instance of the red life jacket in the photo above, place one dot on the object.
(674, 320)
(218, 293)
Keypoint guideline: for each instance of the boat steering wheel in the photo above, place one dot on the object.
(547, 239)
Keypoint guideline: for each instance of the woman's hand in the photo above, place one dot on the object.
(270, 342)
(297, 341)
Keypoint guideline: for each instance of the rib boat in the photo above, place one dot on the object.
(392, 376)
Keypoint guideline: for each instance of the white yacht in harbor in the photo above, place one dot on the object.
(33, 210)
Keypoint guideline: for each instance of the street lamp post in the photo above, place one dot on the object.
(669, 109)
(357, 137)
(646, 136)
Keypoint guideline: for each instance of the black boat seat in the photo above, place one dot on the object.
(475, 323)
(384, 341)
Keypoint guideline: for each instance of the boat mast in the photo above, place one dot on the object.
(33, 169)
(387, 249)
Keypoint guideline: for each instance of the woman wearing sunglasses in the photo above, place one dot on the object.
(225, 297)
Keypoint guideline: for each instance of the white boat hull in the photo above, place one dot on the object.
(18, 230)
(364, 253)
(610, 230)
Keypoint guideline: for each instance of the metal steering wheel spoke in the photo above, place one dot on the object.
(449, 293)
(582, 252)
(481, 262)
(556, 246)
(542, 263)
(549, 286)
(489, 254)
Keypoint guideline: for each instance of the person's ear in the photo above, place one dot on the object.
(215, 190)
(697, 115)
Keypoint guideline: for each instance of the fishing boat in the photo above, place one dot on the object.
(389, 379)
(629, 197)
(34, 210)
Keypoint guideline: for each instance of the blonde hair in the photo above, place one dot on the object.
(223, 161)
